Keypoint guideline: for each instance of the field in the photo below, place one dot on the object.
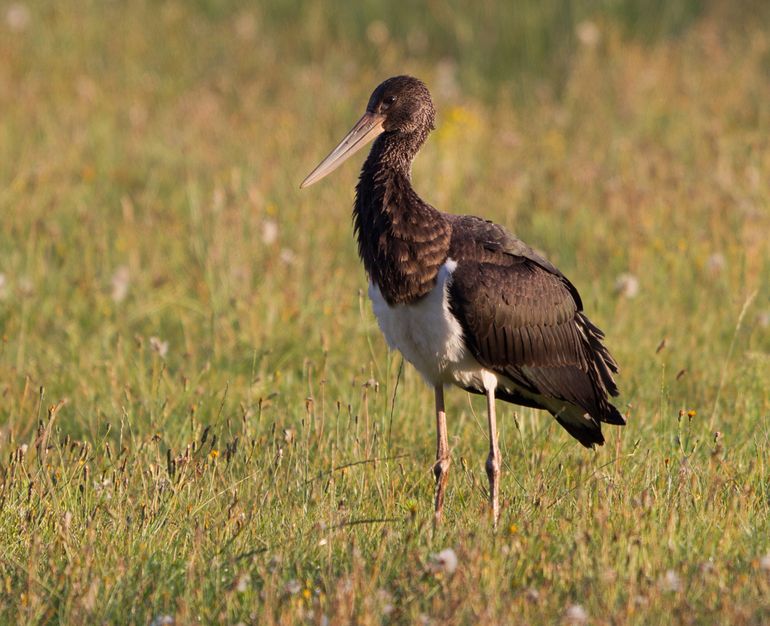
(199, 420)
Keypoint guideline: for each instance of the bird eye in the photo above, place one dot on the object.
(386, 102)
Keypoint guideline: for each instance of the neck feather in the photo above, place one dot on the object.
(402, 240)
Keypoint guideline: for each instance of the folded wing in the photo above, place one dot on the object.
(523, 319)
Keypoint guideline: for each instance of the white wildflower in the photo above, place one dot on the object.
(670, 581)
(293, 587)
(386, 601)
(269, 232)
(444, 562)
(287, 256)
(161, 347)
(102, 486)
(120, 282)
(764, 563)
(532, 594)
(162, 620)
(627, 286)
(17, 17)
(575, 614)
(588, 33)
(274, 563)
(3, 287)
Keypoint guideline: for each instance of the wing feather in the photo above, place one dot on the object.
(522, 318)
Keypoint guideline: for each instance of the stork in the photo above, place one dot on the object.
(462, 299)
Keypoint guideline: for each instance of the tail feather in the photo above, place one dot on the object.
(577, 392)
(578, 396)
(600, 359)
(586, 435)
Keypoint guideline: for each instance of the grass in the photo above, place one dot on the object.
(199, 418)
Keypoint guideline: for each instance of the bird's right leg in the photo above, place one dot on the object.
(493, 460)
(441, 468)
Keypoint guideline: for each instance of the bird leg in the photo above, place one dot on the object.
(441, 468)
(493, 460)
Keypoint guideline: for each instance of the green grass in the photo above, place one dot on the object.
(271, 464)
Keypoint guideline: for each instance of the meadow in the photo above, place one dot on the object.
(199, 419)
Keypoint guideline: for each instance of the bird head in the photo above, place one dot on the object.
(399, 105)
(405, 104)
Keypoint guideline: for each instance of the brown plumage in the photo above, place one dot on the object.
(523, 319)
(464, 300)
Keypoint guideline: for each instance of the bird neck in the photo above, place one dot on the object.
(402, 240)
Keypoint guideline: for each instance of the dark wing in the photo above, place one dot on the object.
(523, 319)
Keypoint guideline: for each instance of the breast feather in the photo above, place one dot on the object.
(425, 332)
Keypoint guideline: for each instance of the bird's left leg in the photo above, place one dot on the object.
(441, 468)
(493, 460)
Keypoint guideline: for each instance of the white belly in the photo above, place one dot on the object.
(430, 337)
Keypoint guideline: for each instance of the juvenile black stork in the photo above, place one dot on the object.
(463, 300)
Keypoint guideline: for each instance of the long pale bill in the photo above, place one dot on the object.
(366, 129)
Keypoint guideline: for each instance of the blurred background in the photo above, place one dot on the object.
(161, 272)
(150, 155)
